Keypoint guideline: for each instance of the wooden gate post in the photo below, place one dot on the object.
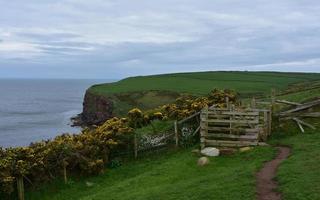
(253, 103)
(20, 187)
(176, 134)
(227, 102)
(273, 99)
(203, 126)
(135, 141)
(265, 125)
(270, 122)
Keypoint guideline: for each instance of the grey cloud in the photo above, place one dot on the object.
(48, 36)
(120, 38)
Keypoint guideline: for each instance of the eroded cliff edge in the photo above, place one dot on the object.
(98, 108)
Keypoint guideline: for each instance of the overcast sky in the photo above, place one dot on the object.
(118, 38)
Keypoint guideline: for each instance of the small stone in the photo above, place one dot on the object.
(244, 149)
(210, 151)
(203, 161)
(89, 184)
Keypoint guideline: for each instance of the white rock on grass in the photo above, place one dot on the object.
(203, 161)
(210, 151)
(89, 184)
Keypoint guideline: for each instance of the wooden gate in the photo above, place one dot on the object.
(234, 127)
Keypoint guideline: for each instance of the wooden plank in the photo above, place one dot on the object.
(304, 123)
(302, 107)
(188, 118)
(313, 114)
(288, 102)
(300, 126)
(240, 130)
(263, 103)
(198, 129)
(230, 143)
(254, 113)
(232, 136)
(232, 121)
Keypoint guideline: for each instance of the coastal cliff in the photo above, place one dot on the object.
(96, 109)
(107, 100)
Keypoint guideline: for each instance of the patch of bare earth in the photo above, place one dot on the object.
(266, 185)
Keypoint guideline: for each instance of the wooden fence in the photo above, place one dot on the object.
(231, 127)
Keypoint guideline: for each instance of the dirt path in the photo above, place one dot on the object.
(265, 184)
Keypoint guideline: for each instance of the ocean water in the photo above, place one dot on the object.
(32, 110)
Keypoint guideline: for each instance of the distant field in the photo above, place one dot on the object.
(199, 83)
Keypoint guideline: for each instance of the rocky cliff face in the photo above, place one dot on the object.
(96, 109)
(99, 108)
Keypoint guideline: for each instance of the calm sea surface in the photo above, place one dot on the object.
(32, 110)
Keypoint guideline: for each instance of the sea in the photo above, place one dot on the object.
(39, 109)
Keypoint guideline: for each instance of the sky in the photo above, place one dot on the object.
(112, 39)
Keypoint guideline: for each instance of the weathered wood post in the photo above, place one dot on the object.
(176, 133)
(65, 178)
(265, 125)
(273, 99)
(135, 142)
(270, 122)
(227, 103)
(203, 126)
(253, 103)
(232, 108)
(20, 187)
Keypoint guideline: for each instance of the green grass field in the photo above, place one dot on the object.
(146, 92)
(200, 83)
(173, 175)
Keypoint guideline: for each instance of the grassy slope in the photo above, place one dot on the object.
(203, 82)
(173, 175)
(299, 176)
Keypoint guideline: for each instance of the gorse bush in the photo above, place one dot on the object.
(88, 152)
(85, 153)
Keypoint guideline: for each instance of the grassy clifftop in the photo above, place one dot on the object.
(146, 92)
(199, 83)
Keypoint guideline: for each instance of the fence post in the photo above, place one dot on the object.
(20, 187)
(135, 140)
(203, 126)
(270, 122)
(65, 172)
(265, 125)
(253, 103)
(227, 102)
(273, 98)
(176, 134)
